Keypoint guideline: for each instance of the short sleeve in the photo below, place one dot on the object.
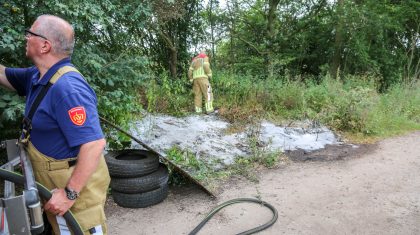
(21, 79)
(78, 118)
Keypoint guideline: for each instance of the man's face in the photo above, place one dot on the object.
(34, 42)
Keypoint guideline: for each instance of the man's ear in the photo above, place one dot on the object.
(46, 47)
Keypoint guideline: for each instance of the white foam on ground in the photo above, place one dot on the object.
(204, 136)
(283, 138)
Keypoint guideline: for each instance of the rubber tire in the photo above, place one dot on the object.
(140, 200)
(141, 184)
(131, 162)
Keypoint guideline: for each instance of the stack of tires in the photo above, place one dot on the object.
(137, 178)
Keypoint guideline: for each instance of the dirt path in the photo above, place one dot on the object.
(372, 193)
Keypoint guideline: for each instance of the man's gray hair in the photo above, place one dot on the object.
(59, 32)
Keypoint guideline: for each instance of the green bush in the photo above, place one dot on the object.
(166, 95)
(396, 111)
(316, 98)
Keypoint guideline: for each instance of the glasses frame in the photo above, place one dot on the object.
(29, 32)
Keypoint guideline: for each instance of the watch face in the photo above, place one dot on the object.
(71, 194)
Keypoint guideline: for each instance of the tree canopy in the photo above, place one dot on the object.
(120, 44)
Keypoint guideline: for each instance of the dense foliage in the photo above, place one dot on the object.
(107, 51)
(292, 59)
(272, 38)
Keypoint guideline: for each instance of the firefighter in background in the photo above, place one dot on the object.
(199, 74)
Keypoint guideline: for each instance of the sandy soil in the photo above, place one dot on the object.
(369, 190)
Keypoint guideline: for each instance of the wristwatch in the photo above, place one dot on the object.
(71, 194)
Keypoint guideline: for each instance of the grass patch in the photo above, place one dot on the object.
(206, 172)
(352, 107)
(249, 166)
(212, 173)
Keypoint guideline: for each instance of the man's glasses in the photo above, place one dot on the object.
(29, 33)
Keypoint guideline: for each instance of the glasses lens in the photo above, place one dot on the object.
(29, 33)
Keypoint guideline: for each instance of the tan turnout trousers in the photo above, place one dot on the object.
(89, 206)
(201, 87)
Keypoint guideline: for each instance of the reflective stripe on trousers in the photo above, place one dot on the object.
(202, 87)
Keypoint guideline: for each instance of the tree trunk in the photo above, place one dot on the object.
(338, 44)
(212, 31)
(232, 54)
(271, 17)
(173, 56)
(412, 66)
(173, 62)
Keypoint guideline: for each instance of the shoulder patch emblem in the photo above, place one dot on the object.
(77, 115)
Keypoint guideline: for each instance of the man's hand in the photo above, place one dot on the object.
(3, 80)
(59, 203)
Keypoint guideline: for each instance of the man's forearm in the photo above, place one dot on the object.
(3, 79)
(87, 162)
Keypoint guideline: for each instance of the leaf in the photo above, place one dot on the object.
(7, 97)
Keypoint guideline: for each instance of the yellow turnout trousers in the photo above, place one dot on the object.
(201, 87)
(89, 206)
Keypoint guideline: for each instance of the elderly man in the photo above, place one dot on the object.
(199, 74)
(61, 127)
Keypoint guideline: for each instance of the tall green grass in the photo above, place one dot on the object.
(165, 95)
(351, 106)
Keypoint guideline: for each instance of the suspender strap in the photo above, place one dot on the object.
(60, 72)
(27, 121)
(37, 101)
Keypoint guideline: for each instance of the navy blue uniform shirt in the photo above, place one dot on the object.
(67, 116)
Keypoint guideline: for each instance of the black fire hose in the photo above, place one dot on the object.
(238, 200)
(45, 194)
